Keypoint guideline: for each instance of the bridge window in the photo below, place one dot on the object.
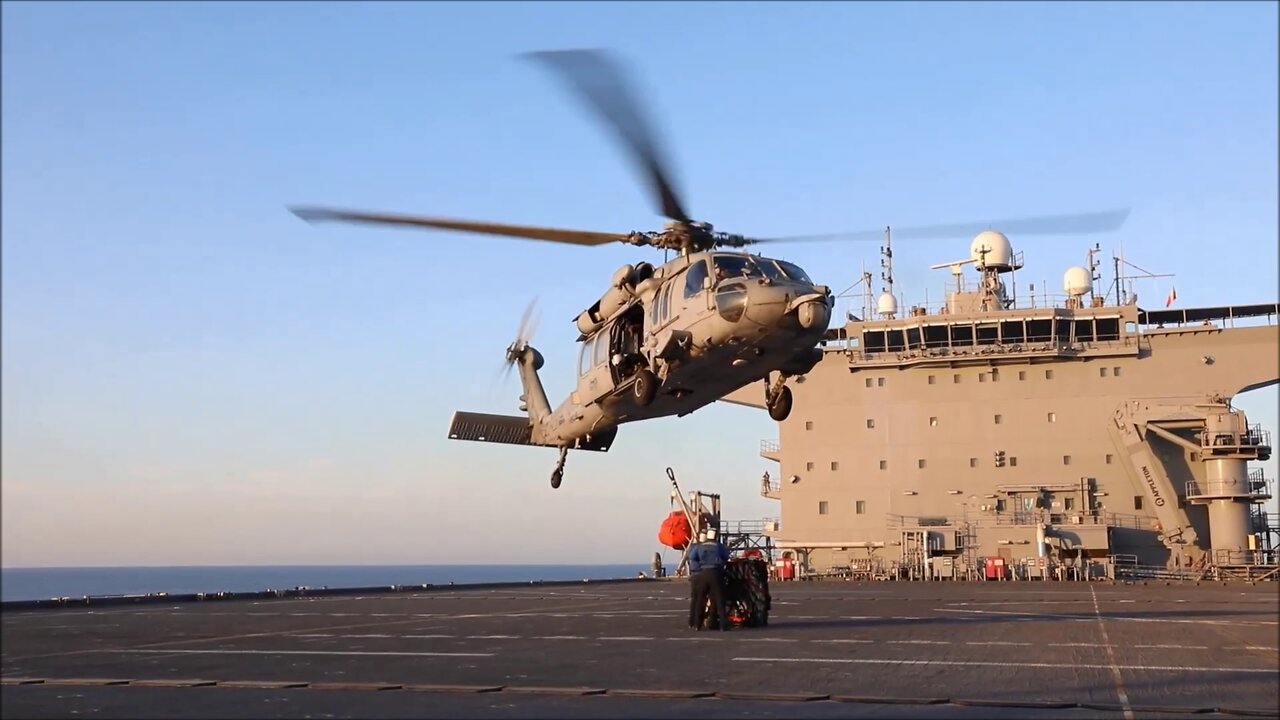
(1084, 330)
(935, 336)
(693, 281)
(1108, 329)
(1013, 332)
(988, 334)
(1039, 330)
(913, 337)
(962, 334)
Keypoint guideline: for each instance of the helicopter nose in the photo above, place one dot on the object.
(812, 310)
(768, 304)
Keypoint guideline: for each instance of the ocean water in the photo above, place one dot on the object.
(41, 583)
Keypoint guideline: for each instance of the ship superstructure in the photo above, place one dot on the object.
(987, 437)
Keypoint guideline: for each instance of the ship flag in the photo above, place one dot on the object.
(1173, 295)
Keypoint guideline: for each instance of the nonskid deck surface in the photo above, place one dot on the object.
(831, 649)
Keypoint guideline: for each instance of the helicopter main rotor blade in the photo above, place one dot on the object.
(602, 83)
(1075, 224)
(576, 237)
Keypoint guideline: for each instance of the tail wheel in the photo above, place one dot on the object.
(645, 387)
(780, 408)
(556, 477)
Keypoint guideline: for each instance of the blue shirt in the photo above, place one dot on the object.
(707, 555)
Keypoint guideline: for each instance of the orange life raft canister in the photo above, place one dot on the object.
(675, 532)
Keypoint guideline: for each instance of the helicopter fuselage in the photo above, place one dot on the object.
(704, 325)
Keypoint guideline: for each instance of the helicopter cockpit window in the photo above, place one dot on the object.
(584, 357)
(769, 268)
(794, 272)
(693, 282)
(734, 266)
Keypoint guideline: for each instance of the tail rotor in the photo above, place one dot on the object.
(524, 333)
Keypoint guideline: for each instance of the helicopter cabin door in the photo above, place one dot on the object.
(594, 378)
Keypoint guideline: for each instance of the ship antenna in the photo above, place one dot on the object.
(1094, 277)
(887, 261)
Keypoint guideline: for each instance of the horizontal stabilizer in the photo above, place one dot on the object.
(517, 430)
(482, 427)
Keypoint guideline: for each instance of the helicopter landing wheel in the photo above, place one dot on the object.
(780, 407)
(558, 474)
(645, 387)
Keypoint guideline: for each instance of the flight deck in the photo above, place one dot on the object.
(623, 649)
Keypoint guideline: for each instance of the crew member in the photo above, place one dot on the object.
(706, 578)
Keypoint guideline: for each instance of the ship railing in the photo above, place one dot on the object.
(1026, 301)
(1253, 436)
(743, 527)
(769, 446)
(1266, 522)
(1245, 557)
(1156, 572)
(1065, 520)
(919, 521)
(1254, 485)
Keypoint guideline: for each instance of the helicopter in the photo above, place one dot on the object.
(671, 338)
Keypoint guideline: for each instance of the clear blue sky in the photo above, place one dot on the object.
(191, 375)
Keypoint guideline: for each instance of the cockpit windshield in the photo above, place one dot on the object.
(794, 272)
(748, 266)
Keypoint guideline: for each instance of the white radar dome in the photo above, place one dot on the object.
(991, 249)
(887, 304)
(1076, 281)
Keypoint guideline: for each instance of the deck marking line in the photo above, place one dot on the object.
(979, 663)
(1111, 656)
(1000, 642)
(301, 652)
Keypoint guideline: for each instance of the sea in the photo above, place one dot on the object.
(43, 583)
